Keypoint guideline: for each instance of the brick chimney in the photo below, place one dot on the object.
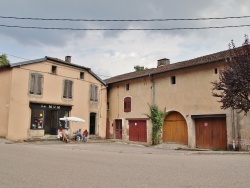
(163, 62)
(68, 59)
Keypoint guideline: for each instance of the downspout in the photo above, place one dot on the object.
(152, 89)
(118, 96)
(238, 131)
(233, 128)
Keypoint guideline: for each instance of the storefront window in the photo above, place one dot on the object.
(62, 123)
(37, 118)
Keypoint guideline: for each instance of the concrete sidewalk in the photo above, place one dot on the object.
(163, 146)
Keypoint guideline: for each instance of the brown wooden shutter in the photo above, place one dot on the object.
(70, 86)
(96, 93)
(91, 92)
(32, 83)
(65, 88)
(39, 84)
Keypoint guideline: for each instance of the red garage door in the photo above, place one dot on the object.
(137, 130)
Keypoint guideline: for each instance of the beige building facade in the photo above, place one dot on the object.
(194, 116)
(36, 93)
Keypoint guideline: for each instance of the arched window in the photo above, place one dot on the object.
(127, 104)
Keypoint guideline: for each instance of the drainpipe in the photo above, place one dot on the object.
(238, 130)
(152, 88)
(233, 128)
(118, 96)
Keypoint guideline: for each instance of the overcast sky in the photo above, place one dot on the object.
(110, 53)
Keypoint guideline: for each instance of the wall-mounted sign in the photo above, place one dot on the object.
(50, 106)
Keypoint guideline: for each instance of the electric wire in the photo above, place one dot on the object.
(124, 20)
(45, 63)
(128, 29)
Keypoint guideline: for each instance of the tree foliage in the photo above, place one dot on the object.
(157, 117)
(4, 60)
(139, 68)
(233, 87)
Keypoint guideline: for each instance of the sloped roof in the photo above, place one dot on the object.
(58, 61)
(170, 67)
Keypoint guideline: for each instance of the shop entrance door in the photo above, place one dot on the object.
(51, 122)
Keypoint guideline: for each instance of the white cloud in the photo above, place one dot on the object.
(111, 53)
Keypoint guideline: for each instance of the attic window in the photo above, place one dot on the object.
(173, 80)
(127, 87)
(215, 71)
(53, 69)
(81, 75)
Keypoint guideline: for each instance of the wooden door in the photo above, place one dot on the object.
(137, 130)
(118, 129)
(211, 133)
(175, 128)
(92, 123)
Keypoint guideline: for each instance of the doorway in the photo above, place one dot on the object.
(92, 125)
(175, 128)
(118, 129)
(51, 122)
(137, 130)
(211, 133)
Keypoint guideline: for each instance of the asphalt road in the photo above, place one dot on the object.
(43, 164)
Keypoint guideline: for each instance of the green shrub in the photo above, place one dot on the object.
(157, 117)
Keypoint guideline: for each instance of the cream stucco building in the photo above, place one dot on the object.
(194, 116)
(36, 93)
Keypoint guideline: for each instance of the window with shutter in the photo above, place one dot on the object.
(67, 89)
(93, 92)
(36, 81)
(127, 104)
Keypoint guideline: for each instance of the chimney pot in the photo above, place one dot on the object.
(68, 59)
(163, 62)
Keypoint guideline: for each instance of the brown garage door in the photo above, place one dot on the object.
(137, 130)
(211, 133)
(175, 128)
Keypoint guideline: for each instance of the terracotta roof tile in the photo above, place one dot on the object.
(174, 66)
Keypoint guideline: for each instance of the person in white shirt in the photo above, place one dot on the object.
(59, 133)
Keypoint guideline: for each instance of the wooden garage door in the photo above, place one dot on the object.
(211, 133)
(137, 130)
(175, 128)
